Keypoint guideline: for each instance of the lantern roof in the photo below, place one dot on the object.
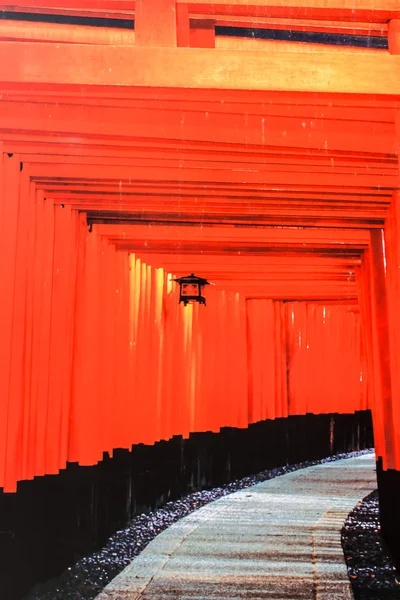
(192, 279)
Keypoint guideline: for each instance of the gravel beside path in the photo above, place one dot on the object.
(370, 566)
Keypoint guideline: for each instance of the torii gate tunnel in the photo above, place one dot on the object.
(252, 142)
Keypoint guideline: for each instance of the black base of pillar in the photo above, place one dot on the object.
(54, 520)
(389, 508)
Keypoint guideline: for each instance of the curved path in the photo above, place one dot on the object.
(279, 539)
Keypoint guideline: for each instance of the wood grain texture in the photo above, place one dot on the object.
(36, 63)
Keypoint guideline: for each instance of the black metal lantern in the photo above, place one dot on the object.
(190, 289)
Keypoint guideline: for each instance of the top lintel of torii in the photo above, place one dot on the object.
(172, 46)
(377, 9)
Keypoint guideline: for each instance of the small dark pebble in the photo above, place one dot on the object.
(91, 574)
(371, 569)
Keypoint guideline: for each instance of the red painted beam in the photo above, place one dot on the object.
(375, 11)
(216, 176)
(133, 124)
(263, 237)
(308, 25)
(235, 161)
(273, 103)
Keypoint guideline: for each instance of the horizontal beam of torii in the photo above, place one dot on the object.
(204, 68)
(368, 10)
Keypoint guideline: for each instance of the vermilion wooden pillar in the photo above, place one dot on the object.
(9, 206)
(381, 347)
(392, 242)
(389, 474)
(392, 249)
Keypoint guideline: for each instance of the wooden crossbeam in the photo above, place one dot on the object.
(292, 180)
(291, 219)
(249, 130)
(215, 176)
(74, 9)
(308, 25)
(36, 63)
(143, 191)
(250, 103)
(197, 200)
(89, 5)
(226, 264)
(278, 102)
(233, 163)
(250, 44)
(51, 32)
(339, 164)
(376, 11)
(364, 10)
(267, 237)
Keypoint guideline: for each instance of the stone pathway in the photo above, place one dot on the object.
(279, 540)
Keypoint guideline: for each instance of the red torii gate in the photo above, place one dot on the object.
(271, 167)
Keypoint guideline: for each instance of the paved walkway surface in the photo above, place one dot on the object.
(279, 540)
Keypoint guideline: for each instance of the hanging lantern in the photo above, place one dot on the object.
(190, 289)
